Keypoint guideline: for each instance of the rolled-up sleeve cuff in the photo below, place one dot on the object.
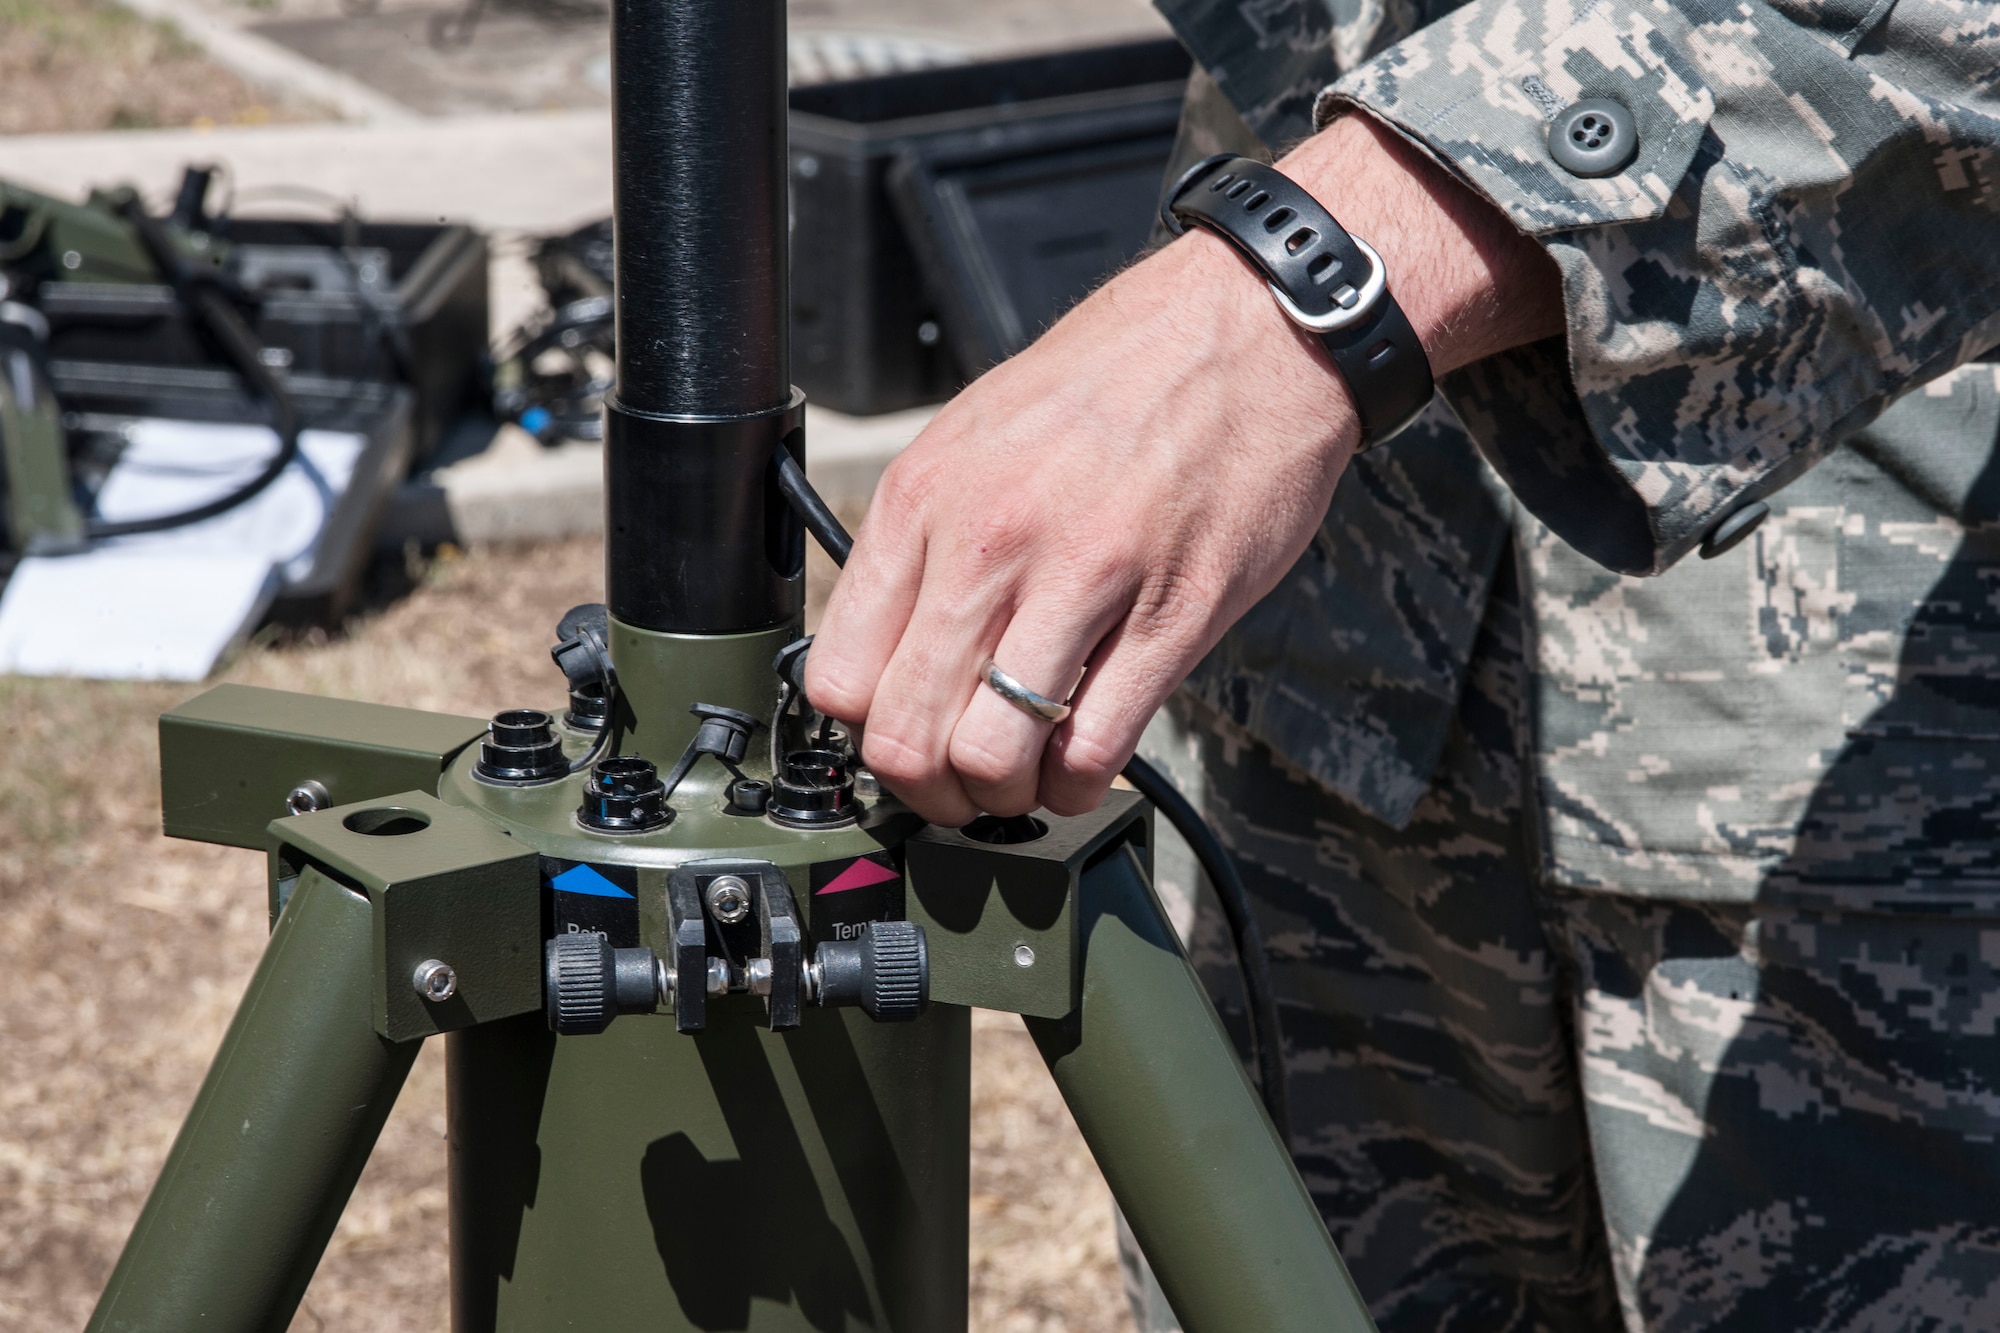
(1740, 295)
(1478, 89)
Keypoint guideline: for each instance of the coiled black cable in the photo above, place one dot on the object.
(1266, 1030)
(216, 316)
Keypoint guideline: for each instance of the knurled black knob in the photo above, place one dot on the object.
(587, 983)
(900, 964)
(579, 984)
(886, 972)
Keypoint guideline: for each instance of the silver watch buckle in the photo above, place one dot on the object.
(1359, 308)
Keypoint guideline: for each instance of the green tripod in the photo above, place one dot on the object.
(705, 993)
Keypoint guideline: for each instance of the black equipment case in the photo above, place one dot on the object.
(1022, 183)
(366, 301)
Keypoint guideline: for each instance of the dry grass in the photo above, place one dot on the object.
(90, 65)
(125, 954)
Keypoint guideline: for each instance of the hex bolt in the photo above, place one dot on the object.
(758, 973)
(728, 899)
(1023, 956)
(307, 797)
(435, 980)
(718, 976)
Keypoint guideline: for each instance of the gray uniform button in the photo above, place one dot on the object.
(1734, 529)
(1594, 137)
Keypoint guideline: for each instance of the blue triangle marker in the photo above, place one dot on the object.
(582, 879)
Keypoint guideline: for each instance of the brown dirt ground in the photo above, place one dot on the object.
(90, 65)
(122, 955)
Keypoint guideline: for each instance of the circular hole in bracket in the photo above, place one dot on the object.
(386, 821)
(998, 832)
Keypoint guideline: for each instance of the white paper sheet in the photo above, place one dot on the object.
(130, 615)
(171, 605)
(170, 466)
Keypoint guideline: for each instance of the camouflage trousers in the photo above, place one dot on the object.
(1522, 1107)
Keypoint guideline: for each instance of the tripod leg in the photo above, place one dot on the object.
(642, 1179)
(1180, 1134)
(276, 1139)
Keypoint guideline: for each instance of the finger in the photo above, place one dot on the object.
(927, 684)
(996, 748)
(870, 606)
(1133, 671)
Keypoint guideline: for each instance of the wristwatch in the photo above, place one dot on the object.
(1327, 282)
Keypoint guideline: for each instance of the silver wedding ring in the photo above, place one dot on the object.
(1023, 698)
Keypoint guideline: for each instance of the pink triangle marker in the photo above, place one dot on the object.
(859, 876)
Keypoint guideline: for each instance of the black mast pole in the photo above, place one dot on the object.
(698, 539)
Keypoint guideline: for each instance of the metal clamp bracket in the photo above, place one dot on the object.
(740, 914)
(1000, 918)
(447, 887)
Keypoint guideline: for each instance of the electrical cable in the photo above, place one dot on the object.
(590, 755)
(213, 312)
(1244, 932)
(811, 509)
(1267, 1033)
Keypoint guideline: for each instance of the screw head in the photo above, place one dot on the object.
(307, 797)
(435, 980)
(1023, 956)
(728, 899)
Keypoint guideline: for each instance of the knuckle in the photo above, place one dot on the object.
(1169, 598)
(834, 688)
(899, 761)
(1081, 773)
(985, 765)
(905, 484)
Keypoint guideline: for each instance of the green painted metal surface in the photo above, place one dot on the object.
(277, 1136)
(41, 508)
(1180, 1134)
(738, 1179)
(659, 675)
(445, 885)
(229, 756)
(982, 904)
(106, 247)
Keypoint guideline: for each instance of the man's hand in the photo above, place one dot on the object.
(1094, 513)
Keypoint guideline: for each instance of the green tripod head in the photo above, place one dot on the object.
(704, 988)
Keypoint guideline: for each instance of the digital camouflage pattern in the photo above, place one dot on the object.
(1637, 937)
(1812, 719)
(1743, 294)
(1528, 1106)
(1356, 659)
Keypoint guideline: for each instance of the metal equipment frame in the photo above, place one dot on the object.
(784, 1145)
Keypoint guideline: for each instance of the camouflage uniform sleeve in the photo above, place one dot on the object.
(1810, 229)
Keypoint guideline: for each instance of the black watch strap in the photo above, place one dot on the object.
(1325, 281)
